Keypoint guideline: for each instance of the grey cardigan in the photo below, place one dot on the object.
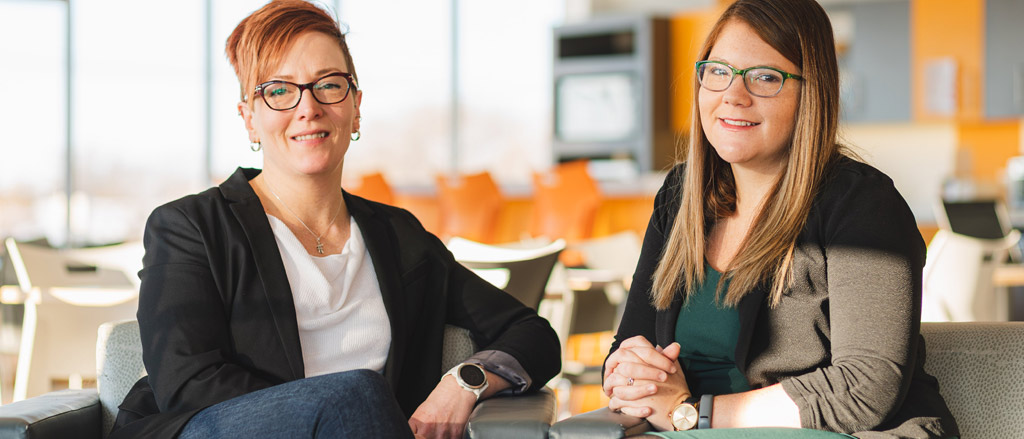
(845, 339)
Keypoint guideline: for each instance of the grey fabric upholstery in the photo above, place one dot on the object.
(458, 346)
(89, 414)
(119, 358)
(980, 368)
(979, 365)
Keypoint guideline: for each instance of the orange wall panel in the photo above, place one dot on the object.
(688, 32)
(989, 146)
(948, 29)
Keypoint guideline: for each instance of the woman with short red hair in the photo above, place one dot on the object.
(277, 305)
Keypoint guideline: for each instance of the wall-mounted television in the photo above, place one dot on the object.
(596, 107)
(610, 84)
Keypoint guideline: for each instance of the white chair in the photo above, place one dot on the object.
(958, 275)
(67, 295)
(528, 269)
(610, 262)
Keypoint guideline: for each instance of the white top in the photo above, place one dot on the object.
(338, 304)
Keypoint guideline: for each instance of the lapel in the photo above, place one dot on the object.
(250, 215)
(382, 245)
(748, 309)
(665, 322)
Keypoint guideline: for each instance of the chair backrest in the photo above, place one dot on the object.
(528, 268)
(374, 187)
(958, 276)
(980, 368)
(118, 365)
(119, 361)
(469, 206)
(565, 202)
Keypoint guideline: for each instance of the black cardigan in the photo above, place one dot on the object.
(845, 340)
(217, 318)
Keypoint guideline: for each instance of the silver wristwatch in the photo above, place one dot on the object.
(470, 376)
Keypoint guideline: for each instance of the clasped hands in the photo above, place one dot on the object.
(645, 381)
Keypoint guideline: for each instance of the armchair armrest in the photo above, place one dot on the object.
(65, 413)
(513, 416)
(600, 423)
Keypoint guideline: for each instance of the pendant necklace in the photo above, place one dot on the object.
(319, 246)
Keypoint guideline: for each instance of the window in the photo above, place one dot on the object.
(32, 149)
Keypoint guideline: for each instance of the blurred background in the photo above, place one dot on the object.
(113, 107)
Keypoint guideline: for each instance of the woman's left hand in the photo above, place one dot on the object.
(649, 398)
(445, 412)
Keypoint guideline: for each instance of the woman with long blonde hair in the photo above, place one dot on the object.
(780, 279)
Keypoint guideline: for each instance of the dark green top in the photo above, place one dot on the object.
(707, 333)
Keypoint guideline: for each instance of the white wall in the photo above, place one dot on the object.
(918, 157)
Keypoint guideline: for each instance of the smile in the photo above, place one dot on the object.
(739, 123)
(310, 136)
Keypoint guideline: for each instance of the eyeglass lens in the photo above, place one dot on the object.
(281, 95)
(759, 82)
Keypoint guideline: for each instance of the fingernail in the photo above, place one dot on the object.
(662, 377)
(652, 388)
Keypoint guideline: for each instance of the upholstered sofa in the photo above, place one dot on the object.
(89, 413)
(979, 365)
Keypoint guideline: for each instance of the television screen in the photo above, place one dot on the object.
(596, 107)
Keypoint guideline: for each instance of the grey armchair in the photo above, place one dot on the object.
(90, 413)
(979, 365)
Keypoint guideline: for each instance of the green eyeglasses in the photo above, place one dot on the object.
(760, 81)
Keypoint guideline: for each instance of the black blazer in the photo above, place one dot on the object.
(217, 318)
(845, 339)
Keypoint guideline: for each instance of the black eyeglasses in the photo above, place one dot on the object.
(284, 95)
(760, 81)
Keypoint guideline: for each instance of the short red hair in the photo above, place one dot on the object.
(257, 44)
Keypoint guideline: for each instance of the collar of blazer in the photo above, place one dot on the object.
(380, 242)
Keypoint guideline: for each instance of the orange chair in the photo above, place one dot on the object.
(565, 202)
(374, 187)
(470, 205)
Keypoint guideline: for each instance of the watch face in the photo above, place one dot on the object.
(684, 417)
(472, 375)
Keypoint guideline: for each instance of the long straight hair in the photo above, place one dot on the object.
(800, 30)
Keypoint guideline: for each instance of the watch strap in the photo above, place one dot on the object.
(704, 410)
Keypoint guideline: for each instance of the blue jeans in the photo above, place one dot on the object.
(355, 403)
